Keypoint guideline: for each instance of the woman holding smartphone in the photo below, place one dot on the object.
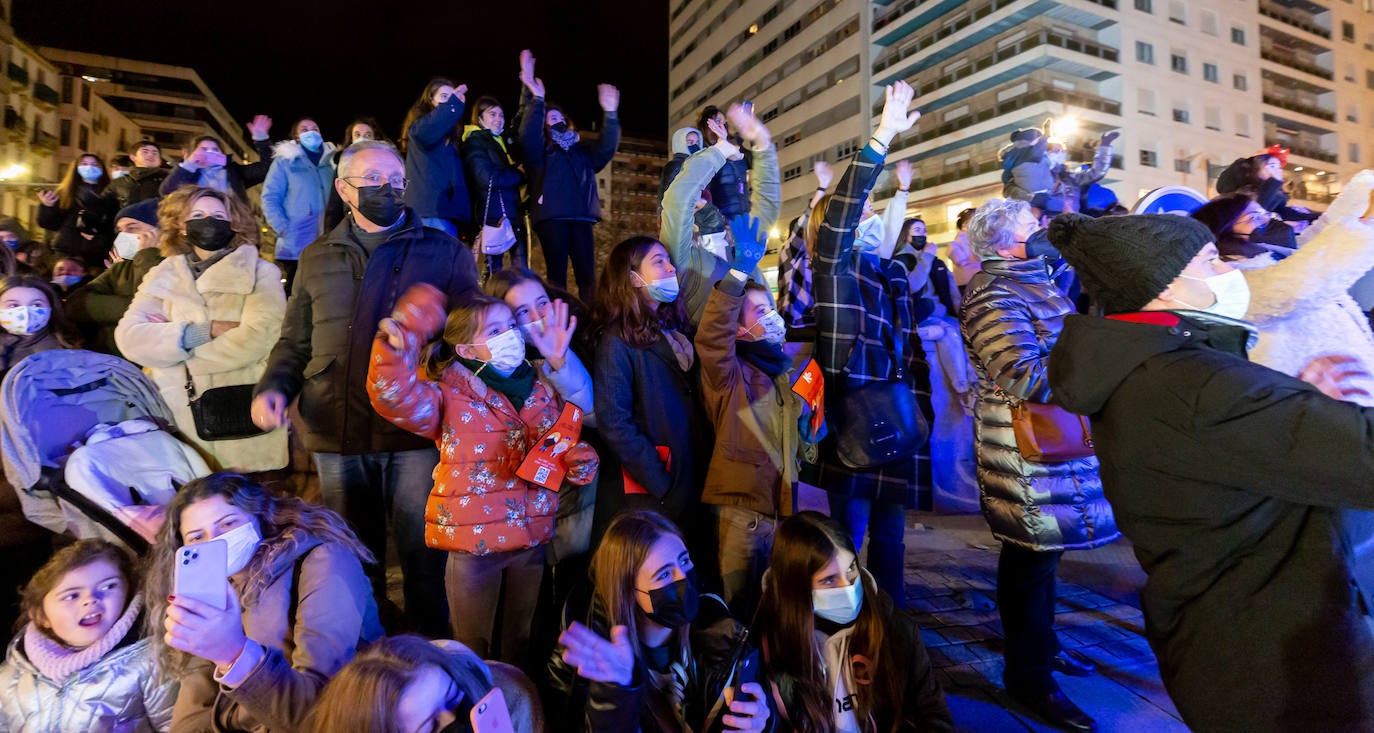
(651, 652)
(298, 605)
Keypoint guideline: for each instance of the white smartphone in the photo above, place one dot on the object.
(202, 573)
(490, 714)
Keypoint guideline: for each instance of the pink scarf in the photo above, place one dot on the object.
(57, 661)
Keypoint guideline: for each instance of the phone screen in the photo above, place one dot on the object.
(490, 714)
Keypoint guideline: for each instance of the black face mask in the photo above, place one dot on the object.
(1038, 245)
(209, 234)
(676, 604)
(693, 149)
(919, 242)
(382, 205)
(1277, 233)
(559, 127)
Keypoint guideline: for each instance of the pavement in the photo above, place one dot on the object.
(951, 574)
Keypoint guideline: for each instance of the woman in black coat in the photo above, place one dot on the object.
(438, 190)
(494, 179)
(81, 217)
(564, 204)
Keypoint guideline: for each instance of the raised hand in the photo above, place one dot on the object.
(47, 198)
(1331, 375)
(596, 658)
(904, 171)
(750, 127)
(823, 174)
(1110, 137)
(896, 119)
(555, 337)
(461, 92)
(608, 96)
(390, 332)
(749, 246)
(204, 631)
(723, 144)
(260, 126)
(535, 85)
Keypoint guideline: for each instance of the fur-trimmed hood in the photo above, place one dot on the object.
(291, 149)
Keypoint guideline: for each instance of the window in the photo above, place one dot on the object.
(1144, 52)
(64, 132)
(1348, 31)
(85, 99)
(1149, 158)
(83, 139)
(1211, 117)
(1209, 22)
(1240, 82)
(1178, 62)
(1145, 6)
(1210, 73)
(1183, 165)
(1178, 12)
(1181, 115)
(1369, 78)
(1354, 152)
(1242, 125)
(67, 90)
(1145, 101)
(792, 173)
(791, 140)
(1238, 36)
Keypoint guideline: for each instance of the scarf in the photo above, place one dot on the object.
(565, 140)
(57, 661)
(517, 387)
(765, 356)
(215, 178)
(199, 266)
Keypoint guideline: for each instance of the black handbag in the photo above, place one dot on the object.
(222, 413)
(881, 422)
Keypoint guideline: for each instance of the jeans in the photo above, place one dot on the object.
(375, 489)
(1025, 600)
(886, 523)
(478, 584)
(562, 239)
(440, 223)
(746, 543)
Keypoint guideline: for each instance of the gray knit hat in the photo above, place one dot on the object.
(1127, 261)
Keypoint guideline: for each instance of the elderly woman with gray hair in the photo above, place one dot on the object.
(1011, 317)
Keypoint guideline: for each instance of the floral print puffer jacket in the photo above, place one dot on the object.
(478, 505)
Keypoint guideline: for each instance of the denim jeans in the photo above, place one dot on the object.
(377, 489)
(886, 524)
(480, 584)
(1025, 601)
(746, 543)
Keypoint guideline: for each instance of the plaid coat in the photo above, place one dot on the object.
(796, 303)
(863, 306)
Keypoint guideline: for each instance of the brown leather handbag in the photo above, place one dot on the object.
(1048, 433)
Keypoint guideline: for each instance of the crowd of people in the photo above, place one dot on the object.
(593, 498)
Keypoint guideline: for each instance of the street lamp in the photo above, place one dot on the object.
(1064, 126)
(13, 170)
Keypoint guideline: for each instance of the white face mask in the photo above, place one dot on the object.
(507, 351)
(839, 605)
(1232, 293)
(774, 328)
(1056, 159)
(23, 320)
(868, 236)
(118, 175)
(126, 244)
(242, 542)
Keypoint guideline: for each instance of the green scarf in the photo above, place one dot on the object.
(517, 387)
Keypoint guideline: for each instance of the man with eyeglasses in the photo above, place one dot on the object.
(371, 472)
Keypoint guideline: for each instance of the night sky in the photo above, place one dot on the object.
(332, 60)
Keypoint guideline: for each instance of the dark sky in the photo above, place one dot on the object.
(331, 60)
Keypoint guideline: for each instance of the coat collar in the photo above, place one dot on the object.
(236, 274)
(290, 150)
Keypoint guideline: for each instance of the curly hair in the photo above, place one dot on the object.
(285, 524)
(993, 226)
(176, 206)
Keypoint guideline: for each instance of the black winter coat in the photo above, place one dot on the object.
(140, 185)
(240, 176)
(1230, 479)
(562, 183)
(488, 167)
(339, 296)
(438, 188)
(91, 214)
(715, 638)
(730, 188)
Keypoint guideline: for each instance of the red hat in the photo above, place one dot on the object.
(1278, 151)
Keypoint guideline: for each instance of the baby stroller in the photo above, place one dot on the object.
(88, 446)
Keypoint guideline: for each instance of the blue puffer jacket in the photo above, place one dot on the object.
(562, 183)
(438, 188)
(294, 196)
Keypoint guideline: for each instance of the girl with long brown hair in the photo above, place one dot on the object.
(649, 651)
(837, 656)
(645, 384)
(78, 213)
(298, 605)
(437, 188)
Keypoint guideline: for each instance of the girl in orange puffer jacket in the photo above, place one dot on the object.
(474, 394)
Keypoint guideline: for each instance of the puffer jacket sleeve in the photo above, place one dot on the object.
(395, 387)
(331, 605)
(573, 383)
(259, 327)
(159, 695)
(1000, 332)
(274, 195)
(765, 181)
(143, 341)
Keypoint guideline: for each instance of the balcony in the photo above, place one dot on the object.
(1293, 18)
(1293, 62)
(1310, 152)
(897, 10)
(958, 172)
(44, 143)
(1294, 105)
(45, 96)
(19, 75)
(1044, 37)
(1010, 106)
(15, 126)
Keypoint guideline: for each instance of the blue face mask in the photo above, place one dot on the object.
(88, 173)
(311, 139)
(664, 289)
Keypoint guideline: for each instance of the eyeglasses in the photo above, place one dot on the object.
(1259, 218)
(375, 179)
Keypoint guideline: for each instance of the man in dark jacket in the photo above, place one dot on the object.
(207, 164)
(1250, 604)
(98, 305)
(143, 181)
(347, 281)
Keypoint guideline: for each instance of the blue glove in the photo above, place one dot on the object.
(749, 248)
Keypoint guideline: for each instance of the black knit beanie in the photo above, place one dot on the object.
(1127, 261)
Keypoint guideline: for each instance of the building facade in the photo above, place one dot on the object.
(629, 189)
(29, 146)
(1191, 85)
(88, 123)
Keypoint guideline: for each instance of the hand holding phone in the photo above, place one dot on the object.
(490, 714)
(747, 708)
(201, 573)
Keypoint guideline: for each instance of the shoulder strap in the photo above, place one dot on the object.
(295, 588)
